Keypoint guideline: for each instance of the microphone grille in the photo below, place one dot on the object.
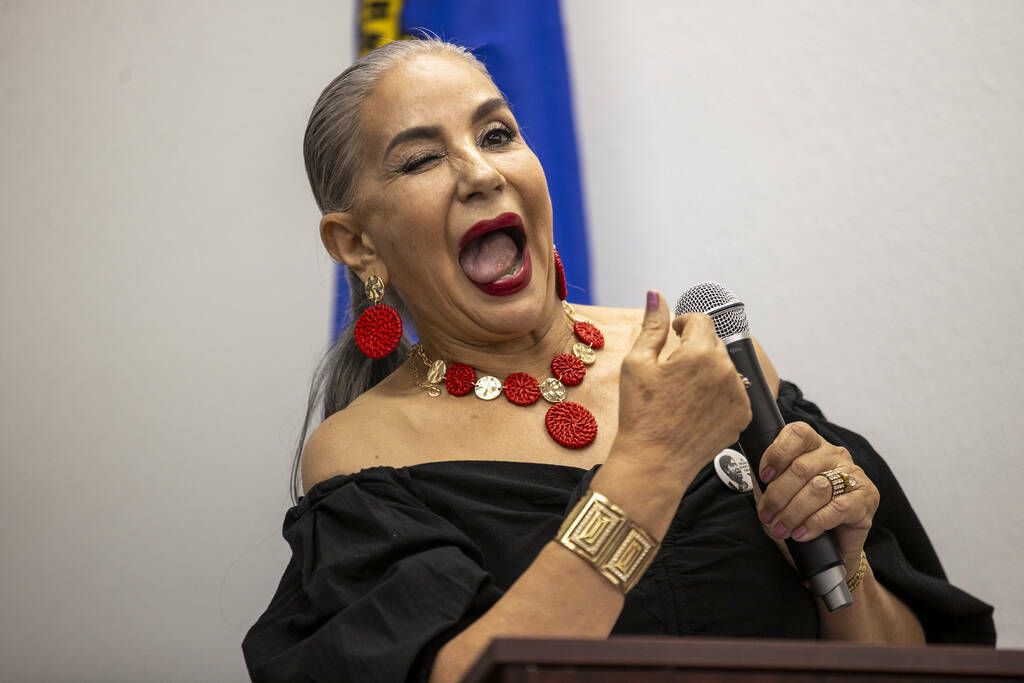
(720, 303)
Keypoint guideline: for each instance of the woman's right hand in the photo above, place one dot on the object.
(676, 413)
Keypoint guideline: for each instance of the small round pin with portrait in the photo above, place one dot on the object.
(734, 470)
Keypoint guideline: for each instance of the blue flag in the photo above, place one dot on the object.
(523, 47)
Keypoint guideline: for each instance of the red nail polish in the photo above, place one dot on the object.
(652, 301)
(799, 531)
(779, 531)
(768, 474)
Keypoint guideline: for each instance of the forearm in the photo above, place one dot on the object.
(560, 594)
(876, 616)
(556, 596)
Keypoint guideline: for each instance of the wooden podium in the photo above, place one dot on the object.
(646, 660)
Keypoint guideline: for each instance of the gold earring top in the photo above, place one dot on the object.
(374, 288)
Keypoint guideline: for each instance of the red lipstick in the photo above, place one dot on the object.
(505, 220)
(509, 284)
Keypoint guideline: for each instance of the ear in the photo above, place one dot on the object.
(349, 244)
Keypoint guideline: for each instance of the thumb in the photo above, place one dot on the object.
(654, 329)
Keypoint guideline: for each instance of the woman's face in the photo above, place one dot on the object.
(454, 204)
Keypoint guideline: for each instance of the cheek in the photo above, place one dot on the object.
(538, 182)
(416, 216)
(532, 186)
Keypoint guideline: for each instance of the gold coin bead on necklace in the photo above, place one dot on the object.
(568, 423)
(435, 370)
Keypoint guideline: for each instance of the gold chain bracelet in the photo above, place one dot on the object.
(603, 534)
(862, 567)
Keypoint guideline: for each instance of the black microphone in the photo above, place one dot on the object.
(818, 561)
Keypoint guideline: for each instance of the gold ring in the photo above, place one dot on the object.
(841, 482)
(746, 382)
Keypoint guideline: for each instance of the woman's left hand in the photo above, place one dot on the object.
(797, 501)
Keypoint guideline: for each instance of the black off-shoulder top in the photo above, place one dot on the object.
(389, 564)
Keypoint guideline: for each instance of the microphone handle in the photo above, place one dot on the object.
(818, 561)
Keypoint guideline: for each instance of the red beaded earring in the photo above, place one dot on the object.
(560, 288)
(379, 327)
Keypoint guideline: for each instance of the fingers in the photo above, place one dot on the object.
(855, 508)
(684, 403)
(801, 476)
(794, 440)
(694, 328)
(696, 335)
(653, 330)
(798, 457)
(798, 501)
(812, 509)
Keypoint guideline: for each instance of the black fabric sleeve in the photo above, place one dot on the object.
(377, 583)
(901, 556)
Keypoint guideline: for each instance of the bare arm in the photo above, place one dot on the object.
(798, 503)
(876, 616)
(651, 463)
(559, 595)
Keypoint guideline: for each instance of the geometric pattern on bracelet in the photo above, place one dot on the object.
(628, 557)
(594, 527)
(602, 534)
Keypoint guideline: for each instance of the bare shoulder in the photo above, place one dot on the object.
(770, 375)
(343, 443)
(621, 319)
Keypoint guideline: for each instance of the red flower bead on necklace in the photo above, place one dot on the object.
(522, 388)
(568, 423)
(588, 334)
(459, 379)
(568, 369)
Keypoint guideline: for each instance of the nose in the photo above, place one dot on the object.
(478, 176)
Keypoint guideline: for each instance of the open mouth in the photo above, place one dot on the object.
(493, 255)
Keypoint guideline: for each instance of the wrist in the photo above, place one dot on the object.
(648, 492)
(671, 464)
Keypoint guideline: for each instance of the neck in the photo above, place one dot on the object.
(531, 352)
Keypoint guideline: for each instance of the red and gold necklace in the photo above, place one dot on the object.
(568, 423)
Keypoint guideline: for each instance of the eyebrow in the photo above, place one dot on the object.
(489, 107)
(414, 133)
(422, 132)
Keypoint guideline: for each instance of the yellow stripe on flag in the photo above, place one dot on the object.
(379, 23)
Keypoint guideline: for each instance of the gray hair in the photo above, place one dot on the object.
(332, 148)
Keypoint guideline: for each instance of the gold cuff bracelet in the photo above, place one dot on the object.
(602, 534)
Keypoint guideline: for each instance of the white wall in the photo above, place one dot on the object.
(164, 302)
(852, 171)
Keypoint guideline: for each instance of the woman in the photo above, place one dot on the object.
(427, 524)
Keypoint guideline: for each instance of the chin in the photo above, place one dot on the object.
(517, 315)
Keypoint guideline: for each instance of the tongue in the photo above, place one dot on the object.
(487, 258)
